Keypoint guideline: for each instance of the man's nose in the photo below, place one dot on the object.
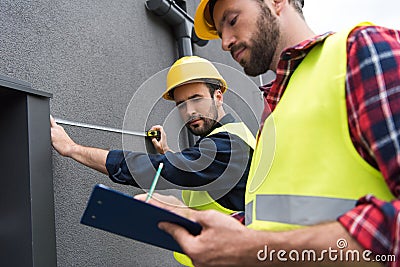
(227, 41)
(190, 108)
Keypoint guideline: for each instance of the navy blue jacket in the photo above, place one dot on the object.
(217, 163)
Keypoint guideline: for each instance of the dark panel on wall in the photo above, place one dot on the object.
(26, 186)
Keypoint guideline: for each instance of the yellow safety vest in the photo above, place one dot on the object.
(201, 200)
(305, 169)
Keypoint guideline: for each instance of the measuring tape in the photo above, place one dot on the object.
(150, 134)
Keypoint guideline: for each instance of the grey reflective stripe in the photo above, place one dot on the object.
(301, 210)
(248, 211)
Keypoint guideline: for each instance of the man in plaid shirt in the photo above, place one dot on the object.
(262, 35)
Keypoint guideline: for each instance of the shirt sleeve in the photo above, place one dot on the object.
(240, 216)
(373, 104)
(195, 168)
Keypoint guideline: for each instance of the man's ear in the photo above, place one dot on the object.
(278, 5)
(218, 97)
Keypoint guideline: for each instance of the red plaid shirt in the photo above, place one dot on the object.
(373, 106)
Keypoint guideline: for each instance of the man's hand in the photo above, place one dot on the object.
(223, 240)
(220, 242)
(160, 145)
(169, 203)
(92, 157)
(60, 140)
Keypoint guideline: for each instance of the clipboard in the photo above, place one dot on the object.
(121, 214)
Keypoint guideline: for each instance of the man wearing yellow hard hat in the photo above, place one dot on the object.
(214, 171)
(329, 193)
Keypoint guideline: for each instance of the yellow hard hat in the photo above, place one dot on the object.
(191, 68)
(203, 22)
(204, 25)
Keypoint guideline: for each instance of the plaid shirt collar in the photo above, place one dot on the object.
(290, 59)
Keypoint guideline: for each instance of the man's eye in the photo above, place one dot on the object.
(182, 106)
(233, 21)
(197, 99)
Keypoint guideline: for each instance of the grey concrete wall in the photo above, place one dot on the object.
(93, 56)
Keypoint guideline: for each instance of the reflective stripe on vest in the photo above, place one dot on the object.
(271, 207)
(305, 169)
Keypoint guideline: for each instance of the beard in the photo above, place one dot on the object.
(264, 43)
(208, 122)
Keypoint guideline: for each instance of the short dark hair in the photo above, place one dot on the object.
(212, 85)
(211, 5)
(298, 5)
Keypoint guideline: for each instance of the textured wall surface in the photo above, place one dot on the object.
(93, 56)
